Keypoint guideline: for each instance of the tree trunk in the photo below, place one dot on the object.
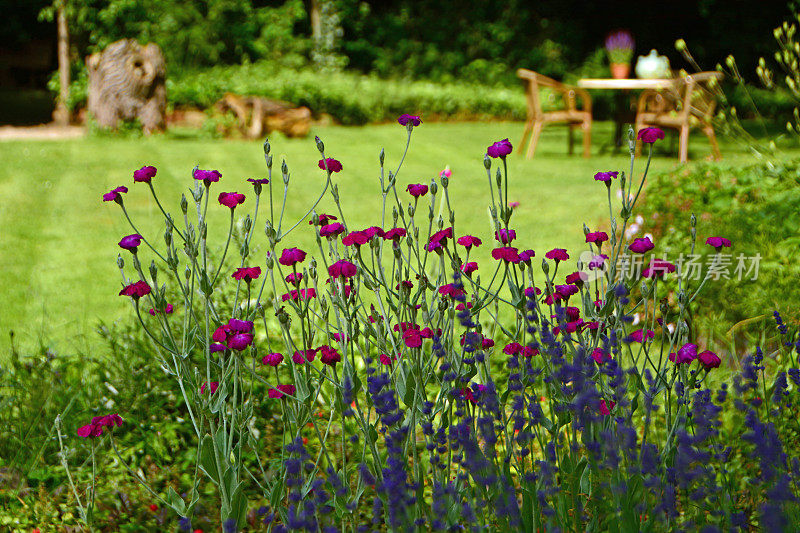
(61, 113)
(316, 24)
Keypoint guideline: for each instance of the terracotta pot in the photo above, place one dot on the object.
(620, 71)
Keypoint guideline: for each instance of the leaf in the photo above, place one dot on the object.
(176, 502)
(207, 462)
(239, 505)
(586, 481)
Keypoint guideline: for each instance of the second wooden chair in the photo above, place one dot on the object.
(570, 115)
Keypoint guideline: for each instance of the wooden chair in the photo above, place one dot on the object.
(571, 115)
(690, 103)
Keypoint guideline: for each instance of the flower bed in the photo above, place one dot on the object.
(419, 390)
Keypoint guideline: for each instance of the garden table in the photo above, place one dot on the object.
(622, 116)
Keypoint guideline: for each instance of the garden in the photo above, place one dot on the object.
(398, 322)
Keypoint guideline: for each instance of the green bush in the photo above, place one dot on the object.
(755, 207)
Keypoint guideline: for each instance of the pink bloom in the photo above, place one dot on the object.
(573, 313)
(332, 164)
(658, 268)
(468, 241)
(258, 181)
(640, 246)
(395, 234)
(487, 343)
(565, 291)
(240, 326)
(294, 278)
(247, 274)
(718, 242)
(526, 255)
(299, 357)
(329, 356)
(212, 388)
(221, 334)
(206, 176)
(404, 119)
(527, 351)
(385, 360)
(506, 253)
(469, 268)
(686, 354)
(605, 408)
(446, 173)
(231, 199)
(302, 294)
(532, 292)
(412, 338)
(650, 135)
(343, 269)
(115, 195)
(136, 290)
(500, 149)
(576, 278)
(240, 341)
(709, 359)
(606, 177)
(331, 230)
(639, 335)
(372, 231)
(505, 236)
(356, 238)
(417, 190)
(323, 219)
(597, 261)
(598, 237)
(557, 254)
(144, 174)
(513, 205)
(292, 256)
(131, 242)
(600, 356)
(95, 428)
(280, 391)
(512, 348)
(216, 347)
(168, 310)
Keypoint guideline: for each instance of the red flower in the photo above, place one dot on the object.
(395, 234)
(418, 189)
(718, 242)
(412, 338)
(658, 268)
(356, 238)
(302, 294)
(332, 164)
(639, 335)
(115, 195)
(131, 242)
(468, 241)
(451, 291)
(280, 391)
(206, 176)
(439, 240)
(323, 219)
(709, 360)
(153, 507)
(512, 348)
(294, 278)
(212, 388)
(329, 356)
(292, 256)
(272, 359)
(144, 174)
(500, 149)
(650, 135)
(136, 290)
(505, 236)
(557, 254)
(640, 246)
(247, 274)
(469, 268)
(300, 358)
(343, 269)
(605, 408)
(506, 253)
(598, 237)
(168, 310)
(331, 230)
(231, 199)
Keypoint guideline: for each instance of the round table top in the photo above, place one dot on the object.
(627, 83)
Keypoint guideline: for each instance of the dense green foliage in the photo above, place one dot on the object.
(755, 207)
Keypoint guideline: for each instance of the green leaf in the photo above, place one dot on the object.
(207, 462)
(239, 505)
(176, 502)
(586, 481)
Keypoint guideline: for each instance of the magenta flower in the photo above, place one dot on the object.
(258, 181)
(512, 348)
(439, 240)
(115, 195)
(505, 236)
(239, 326)
(302, 294)
(281, 391)
(565, 291)
(331, 230)
(597, 261)
(650, 135)
(451, 291)
(404, 119)
(718, 242)
(532, 292)
(332, 164)
(217, 347)
(272, 359)
(386, 360)
(294, 278)
(300, 357)
(658, 268)
(412, 338)
(136, 290)
(506, 253)
(446, 173)
(513, 205)
(709, 359)
(247, 274)
(606, 177)
(131, 242)
(329, 356)
(468, 241)
(168, 310)
(95, 428)
(500, 149)
(640, 335)
(323, 219)
(343, 269)
(418, 189)
(371, 231)
(231, 199)
(600, 356)
(686, 354)
(144, 174)
(606, 407)
(598, 238)
(640, 246)
(206, 176)
(526, 255)
(292, 256)
(240, 341)
(355, 238)
(557, 254)
(469, 268)
(212, 388)
(395, 234)
(221, 334)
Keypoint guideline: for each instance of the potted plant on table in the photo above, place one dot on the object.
(619, 46)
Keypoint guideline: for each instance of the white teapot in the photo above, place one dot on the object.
(652, 66)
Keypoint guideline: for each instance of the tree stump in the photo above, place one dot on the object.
(126, 81)
(257, 116)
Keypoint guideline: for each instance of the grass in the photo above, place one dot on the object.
(58, 242)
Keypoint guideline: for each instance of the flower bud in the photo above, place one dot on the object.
(452, 218)
(187, 273)
(445, 181)
(320, 145)
(381, 156)
(284, 168)
(248, 223)
(267, 147)
(693, 220)
(443, 305)
(586, 229)
(244, 251)
(269, 161)
(434, 188)
(545, 266)
(120, 262)
(203, 229)
(498, 177)
(645, 289)
(269, 261)
(184, 204)
(411, 210)
(487, 163)
(631, 140)
(197, 193)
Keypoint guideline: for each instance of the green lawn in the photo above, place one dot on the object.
(58, 239)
